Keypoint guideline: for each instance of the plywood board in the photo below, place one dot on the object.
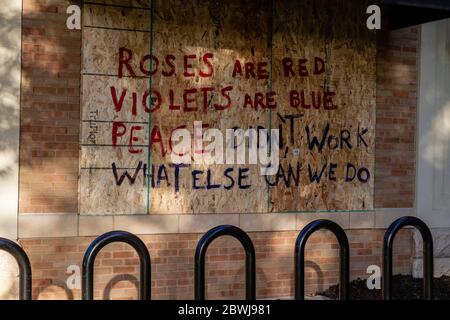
(291, 52)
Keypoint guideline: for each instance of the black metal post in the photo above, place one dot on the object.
(200, 253)
(344, 255)
(427, 255)
(98, 244)
(24, 266)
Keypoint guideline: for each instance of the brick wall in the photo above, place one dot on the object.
(50, 109)
(49, 181)
(172, 256)
(397, 79)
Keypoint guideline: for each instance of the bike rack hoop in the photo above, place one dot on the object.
(105, 239)
(344, 255)
(250, 259)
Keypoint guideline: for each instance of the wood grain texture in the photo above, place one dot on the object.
(308, 33)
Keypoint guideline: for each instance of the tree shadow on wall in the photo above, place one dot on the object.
(9, 89)
(49, 108)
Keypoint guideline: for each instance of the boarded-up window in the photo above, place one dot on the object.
(306, 68)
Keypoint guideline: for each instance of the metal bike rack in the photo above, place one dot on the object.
(250, 260)
(427, 255)
(200, 253)
(300, 244)
(98, 244)
(24, 266)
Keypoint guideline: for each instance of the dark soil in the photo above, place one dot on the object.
(403, 288)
